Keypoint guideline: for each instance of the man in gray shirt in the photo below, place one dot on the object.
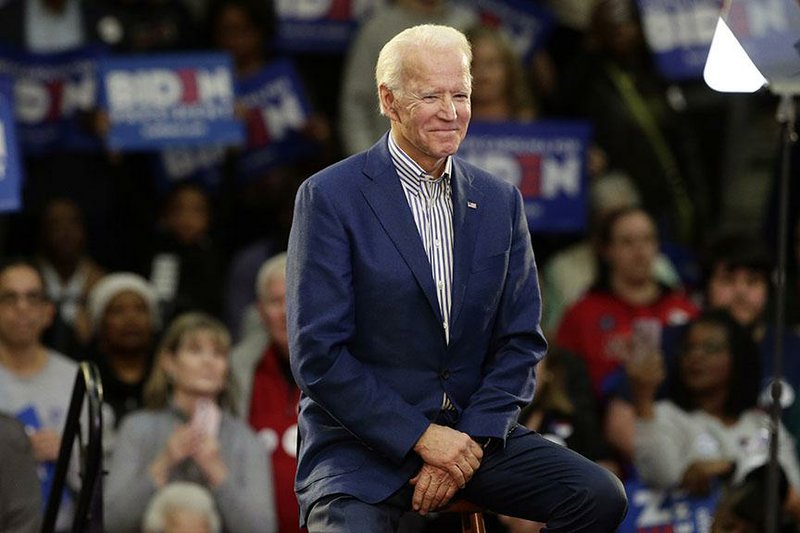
(35, 382)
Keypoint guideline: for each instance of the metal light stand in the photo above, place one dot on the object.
(786, 115)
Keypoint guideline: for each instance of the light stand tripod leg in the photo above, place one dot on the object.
(786, 116)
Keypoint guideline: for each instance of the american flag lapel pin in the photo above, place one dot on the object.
(472, 205)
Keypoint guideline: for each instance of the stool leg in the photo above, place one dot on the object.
(472, 523)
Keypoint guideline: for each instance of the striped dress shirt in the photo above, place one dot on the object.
(431, 203)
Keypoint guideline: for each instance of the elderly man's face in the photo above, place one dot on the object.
(431, 113)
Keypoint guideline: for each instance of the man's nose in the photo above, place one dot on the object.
(448, 108)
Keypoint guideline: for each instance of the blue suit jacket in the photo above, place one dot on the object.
(366, 338)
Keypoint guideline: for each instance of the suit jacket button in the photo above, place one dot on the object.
(445, 374)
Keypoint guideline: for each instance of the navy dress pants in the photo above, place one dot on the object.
(530, 478)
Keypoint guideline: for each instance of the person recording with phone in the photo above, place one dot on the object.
(598, 327)
(189, 432)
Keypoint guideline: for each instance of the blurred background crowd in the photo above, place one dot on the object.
(659, 314)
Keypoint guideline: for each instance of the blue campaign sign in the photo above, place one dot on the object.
(667, 511)
(159, 101)
(53, 97)
(324, 26)
(10, 168)
(527, 23)
(679, 34)
(546, 160)
(276, 109)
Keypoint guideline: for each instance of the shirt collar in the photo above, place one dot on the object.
(409, 169)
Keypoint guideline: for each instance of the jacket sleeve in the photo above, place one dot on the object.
(517, 342)
(321, 323)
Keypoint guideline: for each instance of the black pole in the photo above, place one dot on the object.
(89, 509)
(786, 116)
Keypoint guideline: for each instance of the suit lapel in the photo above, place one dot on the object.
(385, 195)
(467, 215)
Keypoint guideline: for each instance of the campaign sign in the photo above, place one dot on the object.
(29, 418)
(527, 23)
(324, 26)
(546, 160)
(53, 97)
(157, 101)
(679, 34)
(667, 511)
(10, 169)
(276, 109)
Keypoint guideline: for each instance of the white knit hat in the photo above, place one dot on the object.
(113, 284)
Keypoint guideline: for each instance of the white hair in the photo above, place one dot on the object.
(425, 38)
(111, 285)
(271, 269)
(180, 495)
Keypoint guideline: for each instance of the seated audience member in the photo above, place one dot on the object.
(736, 272)
(598, 326)
(186, 266)
(709, 428)
(269, 394)
(20, 493)
(124, 317)
(244, 29)
(35, 381)
(69, 273)
(499, 89)
(737, 275)
(189, 432)
(572, 271)
(181, 507)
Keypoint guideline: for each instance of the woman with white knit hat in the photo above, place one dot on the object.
(124, 316)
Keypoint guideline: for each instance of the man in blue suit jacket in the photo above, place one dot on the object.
(413, 314)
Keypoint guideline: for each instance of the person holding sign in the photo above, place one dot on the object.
(413, 310)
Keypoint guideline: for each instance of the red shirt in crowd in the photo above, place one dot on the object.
(273, 415)
(598, 327)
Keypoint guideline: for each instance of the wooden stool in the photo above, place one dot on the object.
(471, 516)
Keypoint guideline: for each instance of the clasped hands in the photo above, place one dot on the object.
(185, 442)
(450, 459)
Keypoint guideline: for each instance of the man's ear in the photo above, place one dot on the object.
(388, 103)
